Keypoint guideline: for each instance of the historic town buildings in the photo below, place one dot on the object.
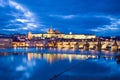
(55, 39)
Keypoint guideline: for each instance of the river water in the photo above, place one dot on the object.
(57, 64)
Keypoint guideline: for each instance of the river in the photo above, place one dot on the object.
(58, 64)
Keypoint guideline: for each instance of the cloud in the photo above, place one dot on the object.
(113, 26)
(2, 3)
(21, 17)
(9, 29)
(28, 18)
(64, 16)
(22, 20)
(106, 28)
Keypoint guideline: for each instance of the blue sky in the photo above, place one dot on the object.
(101, 17)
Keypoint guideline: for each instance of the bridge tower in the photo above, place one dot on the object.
(86, 46)
(114, 47)
(99, 45)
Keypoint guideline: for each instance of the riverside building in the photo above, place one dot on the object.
(5, 42)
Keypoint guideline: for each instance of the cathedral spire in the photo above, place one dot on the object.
(29, 35)
(50, 31)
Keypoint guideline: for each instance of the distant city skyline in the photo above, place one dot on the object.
(77, 16)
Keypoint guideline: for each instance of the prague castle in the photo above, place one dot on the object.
(56, 39)
(56, 34)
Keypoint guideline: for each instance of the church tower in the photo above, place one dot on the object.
(29, 35)
(50, 31)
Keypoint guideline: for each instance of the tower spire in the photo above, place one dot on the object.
(29, 35)
(50, 30)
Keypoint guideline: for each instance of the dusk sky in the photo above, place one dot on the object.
(100, 17)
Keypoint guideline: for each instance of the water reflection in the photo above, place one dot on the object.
(51, 57)
(42, 65)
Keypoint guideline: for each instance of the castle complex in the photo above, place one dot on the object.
(56, 34)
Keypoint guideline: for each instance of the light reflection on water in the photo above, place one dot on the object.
(43, 64)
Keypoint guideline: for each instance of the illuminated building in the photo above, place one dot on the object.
(5, 42)
(29, 35)
(56, 34)
(19, 44)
